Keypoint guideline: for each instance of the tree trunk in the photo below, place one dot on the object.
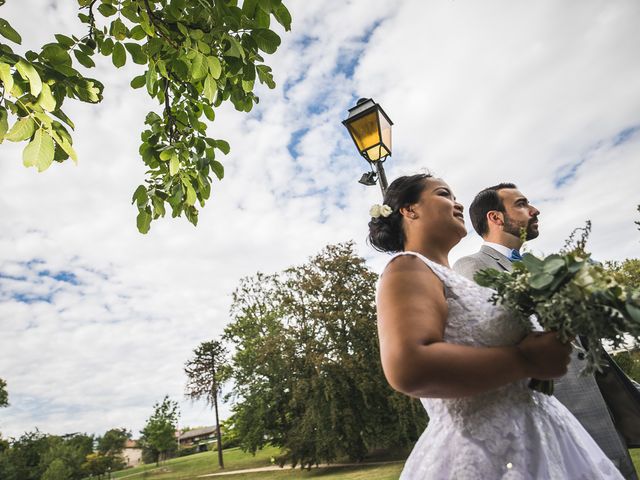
(218, 435)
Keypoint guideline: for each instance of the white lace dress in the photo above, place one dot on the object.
(511, 432)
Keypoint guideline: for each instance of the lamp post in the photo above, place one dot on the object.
(370, 129)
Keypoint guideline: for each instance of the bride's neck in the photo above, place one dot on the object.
(434, 252)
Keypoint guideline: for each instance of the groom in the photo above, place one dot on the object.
(498, 215)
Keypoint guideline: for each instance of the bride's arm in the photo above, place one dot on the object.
(412, 311)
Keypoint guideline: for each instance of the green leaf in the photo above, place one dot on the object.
(267, 40)
(208, 112)
(210, 88)
(136, 53)
(217, 168)
(107, 10)
(8, 32)
(143, 221)
(223, 146)
(553, 263)
(29, 73)
(119, 56)
(249, 7)
(140, 196)
(138, 33)
(118, 29)
(63, 116)
(64, 41)
(4, 122)
(45, 99)
(215, 68)
(540, 281)
(235, 49)
(263, 19)
(39, 152)
(65, 144)
(191, 195)
(21, 130)
(199, 67)
(283, 16)
(174, 164)
(533, 263)
(6, 77)
(55, 54)
(139, 81)
(84, 59)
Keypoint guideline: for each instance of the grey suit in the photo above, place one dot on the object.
(580, 395)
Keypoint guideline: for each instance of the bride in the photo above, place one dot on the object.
(465, 358)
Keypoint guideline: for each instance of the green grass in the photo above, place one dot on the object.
(189, 467)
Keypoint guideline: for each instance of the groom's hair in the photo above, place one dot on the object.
(486, 201)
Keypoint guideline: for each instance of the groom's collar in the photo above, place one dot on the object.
(506, 251)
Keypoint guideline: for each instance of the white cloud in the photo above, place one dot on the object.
(479, 92)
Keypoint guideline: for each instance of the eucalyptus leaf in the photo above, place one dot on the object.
(540, 281)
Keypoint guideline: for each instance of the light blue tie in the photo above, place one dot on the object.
(515, 256)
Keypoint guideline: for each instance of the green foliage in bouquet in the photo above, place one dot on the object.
(571, 294)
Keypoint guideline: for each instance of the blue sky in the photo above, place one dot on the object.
(97, 320)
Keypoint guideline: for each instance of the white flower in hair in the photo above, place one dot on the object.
(380, 211)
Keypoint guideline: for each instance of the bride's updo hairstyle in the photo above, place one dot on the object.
(386, 233)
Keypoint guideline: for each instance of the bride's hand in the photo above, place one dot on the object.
(544, 355)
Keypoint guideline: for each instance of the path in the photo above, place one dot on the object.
(276, 467)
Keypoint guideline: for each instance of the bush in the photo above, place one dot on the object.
(183, 452)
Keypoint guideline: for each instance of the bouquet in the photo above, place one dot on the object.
(572, 295)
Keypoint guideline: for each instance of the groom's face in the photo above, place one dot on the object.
(519, 213)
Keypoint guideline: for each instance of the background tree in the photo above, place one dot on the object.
(4, 396)
(158, 437)
(306, 367)
(206, 371)
(36, 455)
(111, 444)
(197, 55)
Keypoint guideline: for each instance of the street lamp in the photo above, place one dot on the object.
(370, 129)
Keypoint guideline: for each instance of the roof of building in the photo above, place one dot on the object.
(197, 432)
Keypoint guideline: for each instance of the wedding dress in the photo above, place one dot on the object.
(510, 433)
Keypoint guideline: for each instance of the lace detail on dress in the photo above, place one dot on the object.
(511, 432)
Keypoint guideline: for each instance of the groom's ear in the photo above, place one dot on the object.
(495, 217)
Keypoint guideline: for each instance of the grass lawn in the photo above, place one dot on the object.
(635, 456)
(191, 466)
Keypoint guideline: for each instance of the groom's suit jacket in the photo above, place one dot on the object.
(593, 400)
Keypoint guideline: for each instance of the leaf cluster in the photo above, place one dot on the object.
(306, 367)
(197, 55)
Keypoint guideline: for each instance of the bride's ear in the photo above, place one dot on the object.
(408, 211)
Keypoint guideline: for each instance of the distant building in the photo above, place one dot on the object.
(202, 438)
(132, 453)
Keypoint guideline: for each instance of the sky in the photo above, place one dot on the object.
(97, 320)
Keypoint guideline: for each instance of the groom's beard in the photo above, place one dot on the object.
(514, 228)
